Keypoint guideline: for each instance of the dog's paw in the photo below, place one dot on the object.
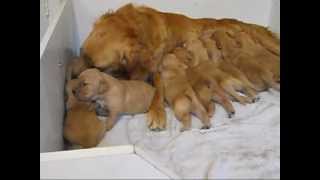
(156, 119)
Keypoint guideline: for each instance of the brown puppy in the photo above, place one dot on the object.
(229, 84)
(216, 57)
(75, 67)
(206, 89)
(262, 56)
(118, 96)
(82, 126)
(179, 94)
(260, 77)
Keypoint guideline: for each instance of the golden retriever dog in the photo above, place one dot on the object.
(82, 126)
(179, 94)
(117, 96)
(137, 38)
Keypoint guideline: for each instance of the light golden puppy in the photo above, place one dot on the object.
(179, 93)
(117, 96)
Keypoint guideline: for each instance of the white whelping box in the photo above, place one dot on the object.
(64, 24)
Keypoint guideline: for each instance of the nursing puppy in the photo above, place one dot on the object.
(75, 67)
(259, 76)
(117, 96)
(262, 56)
(211, 71)
(82, 126)
(215, 55)
(179, 93)
(207, 90)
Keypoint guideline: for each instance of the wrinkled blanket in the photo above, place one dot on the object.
(245, 146)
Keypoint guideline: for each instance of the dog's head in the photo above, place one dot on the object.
(114, 44)
(92, 84)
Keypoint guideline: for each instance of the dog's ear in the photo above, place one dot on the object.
(103, 87)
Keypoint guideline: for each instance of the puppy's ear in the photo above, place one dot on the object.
(207, 83)
(103, 87)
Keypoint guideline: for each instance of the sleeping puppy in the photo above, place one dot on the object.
(179, 94)
(118, 96)
(82, 126)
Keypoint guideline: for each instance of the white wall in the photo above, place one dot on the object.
(58, 51)
(44, 20)
(253, 11)
(48, 11)
(274, 22)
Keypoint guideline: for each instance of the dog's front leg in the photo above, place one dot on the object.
(156, 115)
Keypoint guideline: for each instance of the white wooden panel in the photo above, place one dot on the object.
(97, 163)
(55, 52)
(87, 11)
(44, 21)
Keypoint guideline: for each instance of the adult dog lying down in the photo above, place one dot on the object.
(136, 39)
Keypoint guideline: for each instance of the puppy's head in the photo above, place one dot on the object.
(92, 84)
(184, 55)
(82, 127)
(171, 61)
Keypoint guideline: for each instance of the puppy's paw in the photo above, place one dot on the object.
(231, 114)
(185, 129)
(156, 119)
(256, 99)
(206, 127)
